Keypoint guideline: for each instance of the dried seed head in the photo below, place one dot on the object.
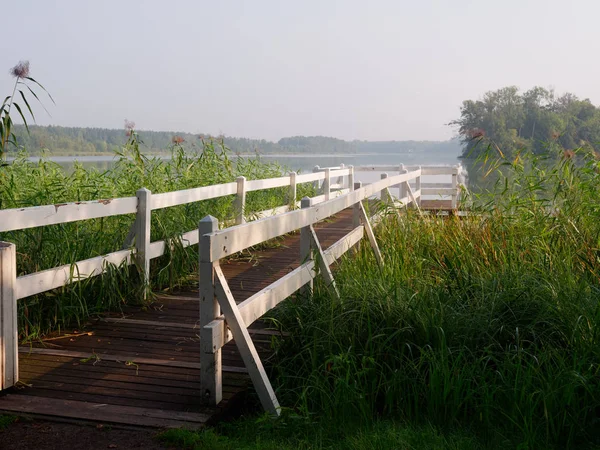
(21, 70)
(177, 140)
(129, 127)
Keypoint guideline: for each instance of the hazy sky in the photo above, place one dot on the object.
(376, 70)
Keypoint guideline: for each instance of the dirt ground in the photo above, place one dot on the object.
(27, 434)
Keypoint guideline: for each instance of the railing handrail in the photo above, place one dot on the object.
(36, 216)
(217, 329)
(45, 280)
(226, 242)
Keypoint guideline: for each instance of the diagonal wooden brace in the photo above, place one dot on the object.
(369, 230)
(412, 195)
(325, 270)
(245, 346)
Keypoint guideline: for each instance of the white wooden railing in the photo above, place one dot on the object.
(332, 183)
(223, 319)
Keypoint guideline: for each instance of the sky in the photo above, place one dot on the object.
(368, 70)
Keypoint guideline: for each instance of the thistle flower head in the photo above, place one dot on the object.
(129, 127)
(21, 70)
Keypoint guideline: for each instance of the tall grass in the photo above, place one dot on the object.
(490, 322)
(24, 183)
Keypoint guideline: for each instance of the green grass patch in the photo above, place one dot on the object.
(291, 433)
(7, 420)
(24, 183)
(491, 322)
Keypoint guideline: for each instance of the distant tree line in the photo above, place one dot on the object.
(81, 141)
(537, 120)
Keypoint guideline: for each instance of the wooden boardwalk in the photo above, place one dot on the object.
(141, 367)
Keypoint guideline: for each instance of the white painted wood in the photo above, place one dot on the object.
(327, 184)
(323, 266)
(340, 172)
(455, 188)
(267, 213)
(235, 239)
(386, 197)
(157, 248)
(167, 199)
(37, 216)
(9, 354)
(356, 208)
(438, 191)
(436, 185)
(310, 177)
(305, 253)
(293, 192)
(47, 280)
(239, 205)
(378, 168)
(211, 384)
(437, 170)
(370, 234)
(418, 187)
(263, 301)
(414, 203)
(246, 346)
(269, 183)
(351, 178)
(142, 234)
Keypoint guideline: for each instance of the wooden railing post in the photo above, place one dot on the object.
(317, 185)
(210, 355)
(305, 240)
(240, 201)
(454, 187)
(351, 178)
(142, 233)
(356, 208)
(403, 188)
(418, 186)
(9, 354)
(327, 184)
(341, 179)
(293, 193)
(385, 193)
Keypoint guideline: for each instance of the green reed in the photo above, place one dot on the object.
(489, 322)
(24, 183)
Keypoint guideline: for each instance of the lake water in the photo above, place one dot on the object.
(302, 163)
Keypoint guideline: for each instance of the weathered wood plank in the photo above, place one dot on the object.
(268, 183)
(167, 199)
(37, 216)
(100, 412)
(46, 280)
(122, 358)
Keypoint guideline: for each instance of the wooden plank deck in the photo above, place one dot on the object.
(141, 367)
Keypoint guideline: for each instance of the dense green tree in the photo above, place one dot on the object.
(78, 141)
(509, 121)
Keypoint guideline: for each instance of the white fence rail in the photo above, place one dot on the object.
(217, 329)
(336, 192)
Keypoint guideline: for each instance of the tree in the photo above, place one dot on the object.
(536, 120)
